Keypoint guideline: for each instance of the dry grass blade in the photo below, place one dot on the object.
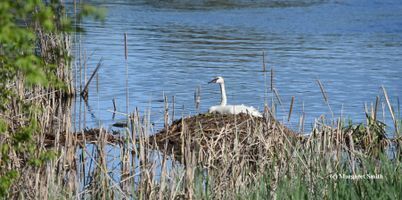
(324, 94)
(277, 96)
(390, 109)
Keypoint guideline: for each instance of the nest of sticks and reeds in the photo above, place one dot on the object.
(211, 137)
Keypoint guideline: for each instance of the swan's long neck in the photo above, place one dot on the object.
(223, 94)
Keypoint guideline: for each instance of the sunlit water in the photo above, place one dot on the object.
(353, 47)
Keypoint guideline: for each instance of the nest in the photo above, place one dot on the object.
(85, 136)
(207, 134)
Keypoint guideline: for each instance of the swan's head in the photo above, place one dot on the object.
(218, 79)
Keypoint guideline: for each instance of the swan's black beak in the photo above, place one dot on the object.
(213, 81)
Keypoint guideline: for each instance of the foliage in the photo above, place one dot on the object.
(6, 180)
(367, 136)
(26, 64)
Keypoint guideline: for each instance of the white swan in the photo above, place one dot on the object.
(230, 109)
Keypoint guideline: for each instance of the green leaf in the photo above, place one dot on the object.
(3, 126)
(48, 155)
(35, 162)
(6, 181)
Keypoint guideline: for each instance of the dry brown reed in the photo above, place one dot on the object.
(200, 157)
(53, 116)
(291, 108)
(126, 64)
(84, 92)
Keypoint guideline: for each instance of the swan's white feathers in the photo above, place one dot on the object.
(235, 109)
(230, 109)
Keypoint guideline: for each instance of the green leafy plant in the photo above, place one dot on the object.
(32, 57)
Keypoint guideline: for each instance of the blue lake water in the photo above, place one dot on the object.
(353, 47)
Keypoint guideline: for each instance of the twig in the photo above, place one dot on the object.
(84, 92)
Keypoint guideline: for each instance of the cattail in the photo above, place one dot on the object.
(291, 107)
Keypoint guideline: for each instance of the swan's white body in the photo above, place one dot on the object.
(230, 109)
(235, 109)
